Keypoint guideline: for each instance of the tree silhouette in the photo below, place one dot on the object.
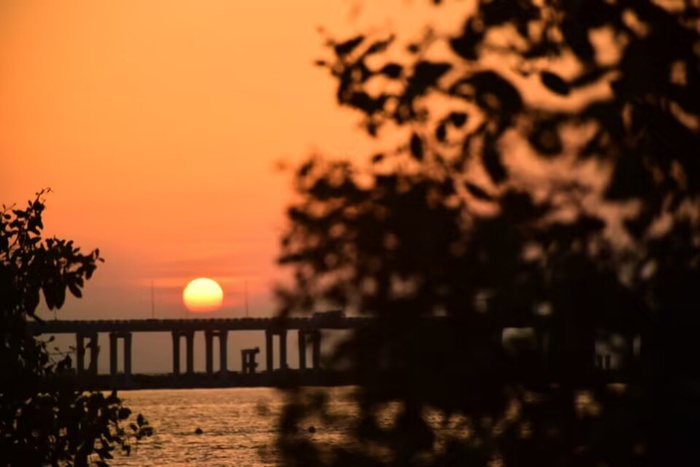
(548, 182)
(45, 417)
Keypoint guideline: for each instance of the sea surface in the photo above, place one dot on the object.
(239, 426)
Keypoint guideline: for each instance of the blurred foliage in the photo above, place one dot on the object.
(45, 417)
(548, 179)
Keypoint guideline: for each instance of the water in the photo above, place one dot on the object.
(239, 427)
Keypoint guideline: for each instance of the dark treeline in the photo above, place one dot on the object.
(548, 180)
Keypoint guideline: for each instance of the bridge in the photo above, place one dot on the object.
(308, 333)
(308, 330)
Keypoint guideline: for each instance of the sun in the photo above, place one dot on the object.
(203, 295)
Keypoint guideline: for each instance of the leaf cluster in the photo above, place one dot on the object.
(451, 226)
(45, 416)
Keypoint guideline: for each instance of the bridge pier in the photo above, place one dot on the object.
(283, 349)
(270, 348)
(208, 351)
(189, 357)
(223, 351)
(114, 352)
(315, 337)
(302, 349)
(189, 350)
(316, 349)
(127, 354)
(80, 350)
(176, 352)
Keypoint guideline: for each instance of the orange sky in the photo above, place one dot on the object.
(158, 126)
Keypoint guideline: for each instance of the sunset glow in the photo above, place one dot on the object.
(203, 295)
(134, 113)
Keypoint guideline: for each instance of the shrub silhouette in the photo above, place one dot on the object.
(46, 418)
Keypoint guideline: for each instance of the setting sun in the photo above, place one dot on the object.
(203, 295)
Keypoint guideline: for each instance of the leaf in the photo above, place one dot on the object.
(123, 413)
(379, 46)
(555, 83)
(630, 179)
(492, 162)
(416, 147)
(638, 226)
(366, 103)
(60, 297)
(545, 138)
(590, 77)
(441, 132)
(478, 192)
(348, 46)
(576, 37)
(305, 168)
(75, 290)
(466, 44)
(372, 128)
(491, 91)
(426, 74)
(392, 70)
(458, 119)
(48, 297)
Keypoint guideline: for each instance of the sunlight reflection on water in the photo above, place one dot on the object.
(238, 427)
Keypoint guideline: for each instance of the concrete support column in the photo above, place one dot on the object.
(302, 349)
(189, 341)
(209, 351)
(316, 349)
(113, 358)
(94, 351)
(283, 349)
(127, 354)
(176, 352)
(80, 350)
(268, 351)
(223, 352)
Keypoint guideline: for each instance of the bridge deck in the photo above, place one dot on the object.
(250, 324)
(167, 325)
